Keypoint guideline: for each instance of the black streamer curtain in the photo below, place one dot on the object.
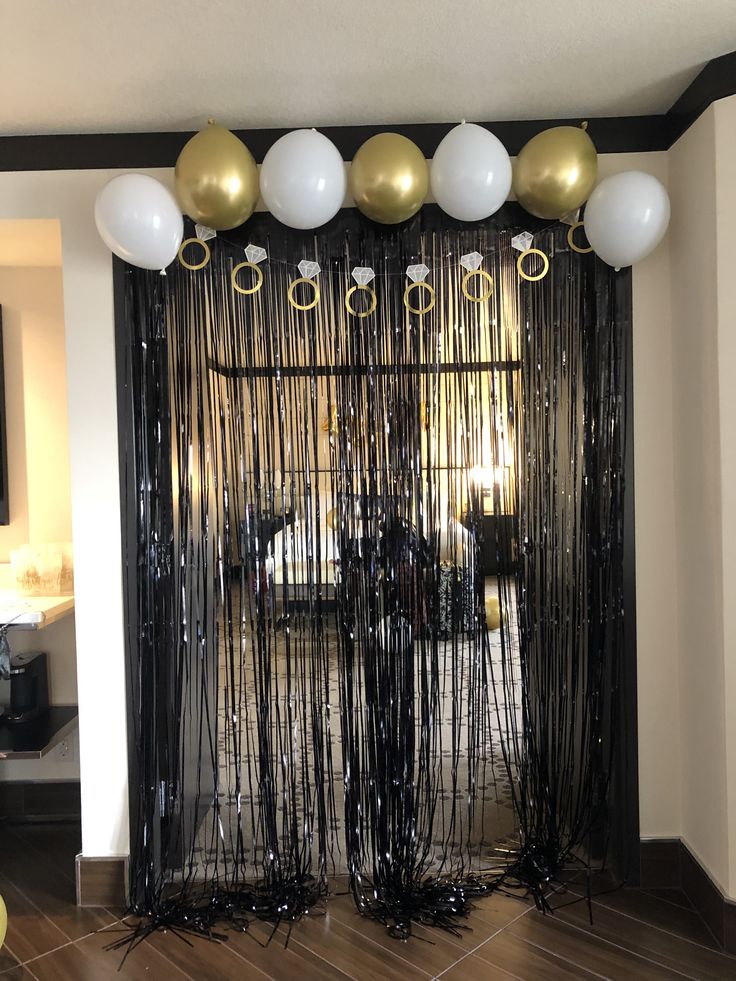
(374, 578)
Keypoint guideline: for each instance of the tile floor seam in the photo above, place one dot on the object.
(41, 913)
(596, 900)
(39, 957)
(7, 947)
(6, 970)
(661, 899)
(612, 943)
(487, 940)
(109, 928)
(235, 953)
(190, 977)
(70, 943)
(375, 944)
(562, 957)
(669, 933)
(28, 969)
(325, 959)
(446, 934)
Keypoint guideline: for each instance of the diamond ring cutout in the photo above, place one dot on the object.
(204, 233)
(308, 268)
(363, 275)
(255, 254)
(471, 261)
(522, 242)
(418, 272)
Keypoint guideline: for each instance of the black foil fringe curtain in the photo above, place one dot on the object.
(374, 588)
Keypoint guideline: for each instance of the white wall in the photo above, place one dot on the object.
(703, 290)
(96, 506)
(656, 535)
(698, 493)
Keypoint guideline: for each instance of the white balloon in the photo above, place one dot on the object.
(471, 173)
(626, 217)
(303, 179)
(139, 220)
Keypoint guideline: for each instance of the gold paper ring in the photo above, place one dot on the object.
(303, 306)
(242, 289)
(372, 303)
(483, 275)
(571, 243)
(205, 254)
(419, 310)
(528, 276)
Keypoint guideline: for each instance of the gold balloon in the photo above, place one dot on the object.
(389, 178)
(217, 179)
(555, 172)
(3, 921)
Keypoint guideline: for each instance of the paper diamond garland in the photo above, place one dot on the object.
(363, 275)
(254, 253)
(471, 261)
(571, 218)
(308, 269)
(417, 273)
(204, 233)
(522, 242)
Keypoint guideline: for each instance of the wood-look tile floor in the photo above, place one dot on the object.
(634, 935)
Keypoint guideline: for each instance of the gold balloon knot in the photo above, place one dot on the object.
(584, 125)
(211, 121)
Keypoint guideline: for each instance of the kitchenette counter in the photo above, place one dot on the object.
(23, 612)
(37, 737)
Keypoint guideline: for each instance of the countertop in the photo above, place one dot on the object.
(33, 612)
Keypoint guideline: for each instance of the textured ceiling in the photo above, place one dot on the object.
(76, 66)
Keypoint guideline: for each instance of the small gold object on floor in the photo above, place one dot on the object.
(493, 612)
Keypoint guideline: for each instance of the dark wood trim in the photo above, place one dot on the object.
(349, 370)
(716, 81)
(660, 863)
(717, 910)
(668, 863)
(102, 881)
(611, 134)
(623, 806)
(40, 800)
(128, 529)
(130, 151)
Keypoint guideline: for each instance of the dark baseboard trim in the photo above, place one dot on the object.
(667, 863)
(102, 881)
(611, 134)
(40, 800)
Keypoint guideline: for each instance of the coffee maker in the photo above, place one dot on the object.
(29, 687)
